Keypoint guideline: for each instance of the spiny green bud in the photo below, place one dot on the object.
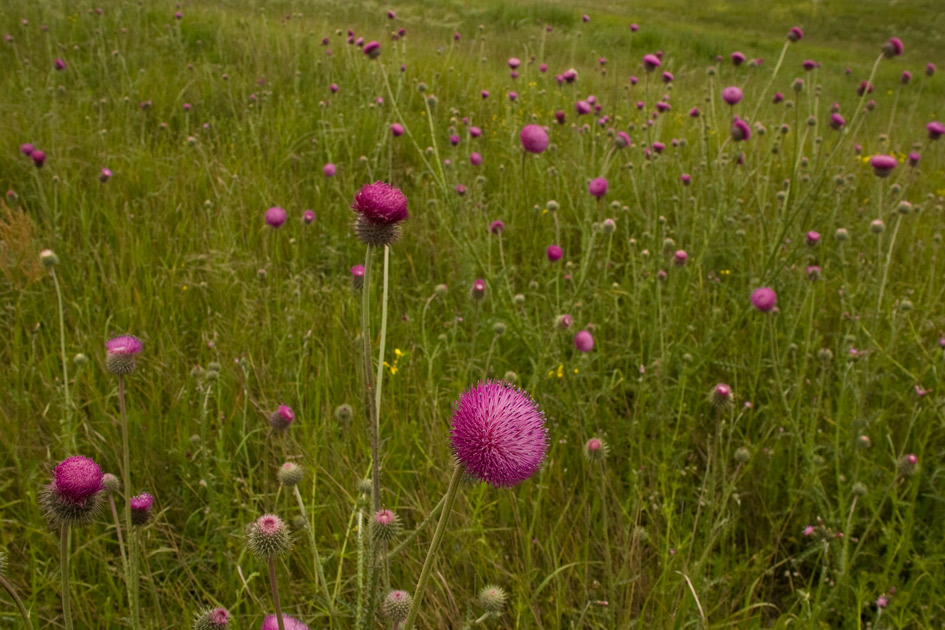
(596, 449)
(396, 606)
(510, 377)
(365, 486)
(290, 474)
(492, 598)
(213, 366)
(212, 619)
(385, 526)
(343, 412)
(518, 299)
(80, 359)
(859, 489)
(498, 328)
(552, 205)
(48, 258)
(111, 483)
(441, 290)
(742, 455)
(268, 536)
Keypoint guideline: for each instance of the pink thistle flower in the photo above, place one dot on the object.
(290, 623)
(764, 299)
(514, 62)
(659, 147)
(582, 107)
(27, 149)
(586, 17)
(141, 508)
(914, 158)
(39, 158)
(77, 479)
(391, 15)
(651, 62)
(498, 434)
(935, 129)
(559, 116)
(893, 48)
(778, 97)
(475, 158)
(738, 58)
(275, 216)
(60, 65)
(598, 187)
(554, 253)
(809, 530)
(543, 68)
(883, 165)
(372, 49)
(634, 28)
(329, 170)
(479, 289)
(397, 129)
(929, 69)
(484, 94)
(513, 96)
(865, 87)
(686, 179)
(570, 75)
(622, 140)
(120, 354)
(460, 190)
(812, 238)
(634, 80)
(380, 203)
(694, 112)
(534, 139)
(668, 77)
(808, 64)
(721, 395)
(905, 77)
(680, 258)
(837, 121)
(475, 132)
(104, 175)
(795, 34)
(740, 130)
(281, 418)
(732, 95)
(584, 341)
(881, 602)
(308, 216)
(497, 227)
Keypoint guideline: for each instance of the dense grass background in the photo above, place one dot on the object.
(673, 531)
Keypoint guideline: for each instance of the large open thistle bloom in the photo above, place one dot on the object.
(75, 493)
(380, 208)
(120, 354)
(498, 434)
(271, 623)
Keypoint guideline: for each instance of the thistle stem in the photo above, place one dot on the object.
(69, 429)
(19, 603)
(409, 538)
(379, 383)
(434, 545)
(64, 564)
(131, 573)
(275, 593)
(318, 561)
(121, 544)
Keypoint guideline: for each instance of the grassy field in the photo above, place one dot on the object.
(794, 505)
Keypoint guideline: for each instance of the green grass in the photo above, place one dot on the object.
(673, 530)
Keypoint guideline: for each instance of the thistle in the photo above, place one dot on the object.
(212, 619)
(267, 538)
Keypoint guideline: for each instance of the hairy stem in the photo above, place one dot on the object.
(67, 423)
(64, 564)
(131, 574)
(275, 593)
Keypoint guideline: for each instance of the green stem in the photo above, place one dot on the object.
(379, 382)
(70, 430)
(318, 561)
(64, 563)
(132, 569)
(19, 603)
(121, 544)
(275, 593)
(882, 284)
(434, 545)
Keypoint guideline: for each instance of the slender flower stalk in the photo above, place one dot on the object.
(320, 576)
(25, 614)
(68, 428)
(64, 565)
(276, 604)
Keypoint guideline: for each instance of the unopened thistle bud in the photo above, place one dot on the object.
(859, 489)
(268, 537)
(110, 483)
(596, 449)
(365, 486)
(343, 413)
(385, 526)
(492, 599)
(48, 258)
(212, 619)
(742, 455)
(908, 465)
(290, 474)
(479, 289)
(396, 606)
(721, 395)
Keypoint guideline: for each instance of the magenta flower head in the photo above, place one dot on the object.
(659, 147)
(104, 175)
(543, 68)
(651, 62)
(475, 158)
(914, 158)
(479, 289)
(357, 277)
(686, 179)
(764, 299)
(929, 69)
(141, 508)
(837, 121)
(497, 227)
(778, 97)
(740, 130)
(597, 187)
(584, 341)
(372, 49)
(281, 418)
(893, 48)
(935, 129)
(721, 395)
(60, 64)
(883, 165)
(268, 536)
(27, 149)
(275, 216)
(905, 77)
(329, 170)
(680, 258)
(514, 62)
(622, 140)
(498, 434)
(732, 95)
(795, 34)
(586, 17)
(559, 116)
(271, 623)
(120, 354)
(397, 129)
(212, 619)
(668, 77)
(738, 58)
(812, 238)
(554, 253)
(534, 139)
(570, 75)
(475, 132)
(808, 64)
(513, 96)
(75, 492)
(582, 107)
(484, 94)
(308, 216)
(865, 87)
(380, 208)
(39, 158)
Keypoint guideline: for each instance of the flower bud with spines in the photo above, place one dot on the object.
(290, 474)
(396, 606)
(212, 619)
(268, 537)
(492, 599)
(385, 526)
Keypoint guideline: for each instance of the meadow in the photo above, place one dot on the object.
(592, 234)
